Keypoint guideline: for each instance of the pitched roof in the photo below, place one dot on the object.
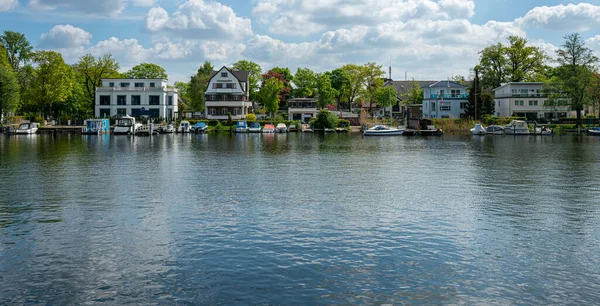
(242, 76)
(402, 86)
(447, 84)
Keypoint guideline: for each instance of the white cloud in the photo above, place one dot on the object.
(92, 7)
(594, 44)
(199, 19)
(7, 5)
(64, 36)
(144, 3)
(574, 17)
(307, 17)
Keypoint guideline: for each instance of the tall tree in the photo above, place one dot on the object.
(340, 82)
(269, 94)
(52, 81)
(372, 80)
(255, 72)
(183, 90)
(306, 83)
(575, 72)
(147, 71)
(386, 96)
(276, 72)
(413, 94)
(492, 65)
(9, 87)
(325, 92)
(93, 70)
(354, 85)
(18, 48)
(524, 61)
(197, 87)
(474, 101)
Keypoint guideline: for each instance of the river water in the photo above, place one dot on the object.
(299, 219)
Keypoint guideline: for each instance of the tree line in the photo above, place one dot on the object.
(38, 83)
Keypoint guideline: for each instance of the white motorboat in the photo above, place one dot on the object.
(543, 131)
(595, 131)
(184, 127)
(281, 128)
(516, 127)
(478, 129)
(126, 125)
(26, 128)
(305, 128)
(495, 130)
(382, 130)
(167, 129)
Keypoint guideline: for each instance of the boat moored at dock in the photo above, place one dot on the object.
(254, 127)
(200, 128)
(478, 129)
(383, 130)
(126, 125)
(494, 130)
(516, 127)
(281, 128)
(184, 127)
(241, 127)
(26, 128)
(269, 128)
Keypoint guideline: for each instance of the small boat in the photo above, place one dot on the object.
(305, 128)
(328, 130)
(543, 131)
(126, 125)
(95, 126)
(167, 129)
(495, 130)
(146, 130)
(254, 127)
(595, 131)
(281, 128)
(184, 127)
(241, 127)
(382, 130)
(292, 128)
(478, 129)
(269, 128)
(200, 128)
(516, 127)
(26, 128)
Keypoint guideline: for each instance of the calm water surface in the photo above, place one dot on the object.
(299, 219)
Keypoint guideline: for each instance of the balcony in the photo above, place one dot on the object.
(449, 96)
(129, 89)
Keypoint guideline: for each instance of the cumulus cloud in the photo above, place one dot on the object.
(7, 5)
(594, 44)
(144, 3)
(64, 36)
(307, 17)
(575, 17)
(104, 7)
(199, 19)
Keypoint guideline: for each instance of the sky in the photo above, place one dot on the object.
(419, 39)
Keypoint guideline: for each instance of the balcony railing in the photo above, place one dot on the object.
(449, 96)
(106, 89)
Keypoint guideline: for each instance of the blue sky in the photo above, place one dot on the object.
(429, 39)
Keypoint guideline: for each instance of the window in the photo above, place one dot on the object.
(104, 112)
(111, 84)
(432, 105)
(217, 85)
(454, 93)
(533, 102)
(136, 100)
(124, 84)
(445, 108)
(152, 84)
(231, 85)
(104, 100)
(223, 111)
(236, 111)
(514, 92)
(154, 100)
(121, 100)
(121, 112)
(223, 74)
(519, 102)
(213, 111)
(138, 85)
(170, 100)
(524, 92)
(463, 105)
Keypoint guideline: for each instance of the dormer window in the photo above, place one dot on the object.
(223, 74)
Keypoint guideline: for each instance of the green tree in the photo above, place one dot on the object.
(326, 93)
(287, 74)
(9, 86)
(93, 70)
(306, 83)
(255, 72)
(492, 65)
(372, 79)
(52, 81)
(524, 62)
(269, 94)
(413, 94)
(575, 73)
(341, 83)
(459, 79)
(183, 89)
(354, 85)
(386, 96)
(147, 71)
(197, 87)
(285, 93)
(474, 101)
(18, 48)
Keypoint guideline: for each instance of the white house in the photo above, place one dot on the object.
(444, 99)
(136, 97)
(302, 109)
(526, 99)
(227, 93)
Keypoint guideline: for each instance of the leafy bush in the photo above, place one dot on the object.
(213, 122)
(251, 117)
(38, 119)
(325, 119)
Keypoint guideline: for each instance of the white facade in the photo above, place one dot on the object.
(526, 99)
(302, 109)
(444, 99)
(136, 97)
(227, 93)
